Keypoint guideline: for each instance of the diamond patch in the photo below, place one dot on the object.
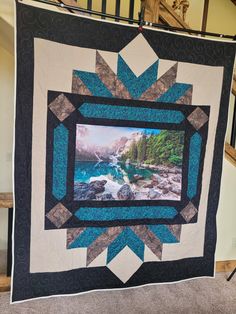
(61, 107)
(58, 215)
(133, 55)
(188, 212)
(197, 118)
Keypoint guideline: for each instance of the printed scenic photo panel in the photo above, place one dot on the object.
(123, 163)
(119, 138)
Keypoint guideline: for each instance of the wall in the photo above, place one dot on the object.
(7, 11)
(6, 132)
(221, 17)
(226, 218)
(6, 117)
(194, 14)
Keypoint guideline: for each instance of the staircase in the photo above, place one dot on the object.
(164, 14)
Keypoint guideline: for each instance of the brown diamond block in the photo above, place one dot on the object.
(58, 215)
(198, 118)
(188, 212)
(61, 107)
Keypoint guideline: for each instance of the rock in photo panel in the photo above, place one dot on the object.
(119, 140)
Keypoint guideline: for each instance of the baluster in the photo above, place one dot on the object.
(117, 12)
(89, 4)
(104, 6)
(131, 10)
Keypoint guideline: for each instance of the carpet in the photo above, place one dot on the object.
(197, 296)
(119, 140)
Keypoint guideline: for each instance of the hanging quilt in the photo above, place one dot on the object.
(119, 141)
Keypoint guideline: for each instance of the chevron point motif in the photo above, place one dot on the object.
(125, 84)
(98, 239)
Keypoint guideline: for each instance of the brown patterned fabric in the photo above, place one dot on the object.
(61, 107)
(197, 118)
(110, 79)
(102, 242)
(58, 215)
(149, 238)
(73, 234)
(161, 85)
(175, 230)
(186, 99)
(188, 212)
(78, 87)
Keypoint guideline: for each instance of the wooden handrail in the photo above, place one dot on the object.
(234, 85)
(170, 17)
(230, 153)
(6, 200)
(5, 283)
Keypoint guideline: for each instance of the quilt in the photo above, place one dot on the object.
(119, 138)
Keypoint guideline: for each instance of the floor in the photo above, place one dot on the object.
(189, 297)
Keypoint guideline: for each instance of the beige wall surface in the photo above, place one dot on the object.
(6, 132)
(7, 11)
(6, 117)
(222, 18)
(226, 216)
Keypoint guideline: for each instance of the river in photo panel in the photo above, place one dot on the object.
(126, 163)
